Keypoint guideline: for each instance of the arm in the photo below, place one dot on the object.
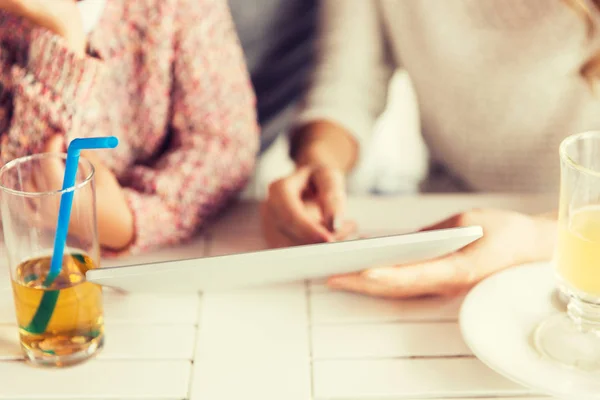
(44, 95)
(348, 93)
(349, 88)
(215, 134)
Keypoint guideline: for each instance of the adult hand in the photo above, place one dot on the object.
(59, 16)
(302, 208)
(115, 220)
(509, 239)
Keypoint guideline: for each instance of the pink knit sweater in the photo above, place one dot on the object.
(167, 77)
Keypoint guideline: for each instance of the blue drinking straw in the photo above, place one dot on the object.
(45, 310)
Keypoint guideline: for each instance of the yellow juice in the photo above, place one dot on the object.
(76, 327)
(578, 253)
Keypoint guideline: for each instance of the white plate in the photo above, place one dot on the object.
(497, 320)
(284, 265)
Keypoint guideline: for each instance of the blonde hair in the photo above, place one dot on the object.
(591, 69)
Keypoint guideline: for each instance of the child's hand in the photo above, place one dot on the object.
(59, 16)
(115, 220)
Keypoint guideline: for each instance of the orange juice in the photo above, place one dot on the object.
(578, 253)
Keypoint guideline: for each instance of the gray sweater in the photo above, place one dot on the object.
(278, 38)
(497, 81)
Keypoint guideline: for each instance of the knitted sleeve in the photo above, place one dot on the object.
(43, 95)
(214, 131)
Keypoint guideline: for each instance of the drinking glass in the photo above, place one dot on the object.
(60, 320)
(573, 338)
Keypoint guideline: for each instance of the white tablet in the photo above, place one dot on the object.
(284, 265)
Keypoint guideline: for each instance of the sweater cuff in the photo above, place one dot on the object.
(59, 69)
(142, 216)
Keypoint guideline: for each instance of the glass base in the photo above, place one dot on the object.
(41, 359)
(559, 338)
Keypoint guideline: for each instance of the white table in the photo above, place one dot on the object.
(296, 341)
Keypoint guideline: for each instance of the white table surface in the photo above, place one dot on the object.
(296, 341)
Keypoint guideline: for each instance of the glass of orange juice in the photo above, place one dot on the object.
(573, 338)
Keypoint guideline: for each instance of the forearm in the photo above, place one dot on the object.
(168, 205)
(348, 86)
(214, 133)
(324, 143)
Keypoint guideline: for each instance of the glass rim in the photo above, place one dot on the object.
(21, 160)
(564, 153)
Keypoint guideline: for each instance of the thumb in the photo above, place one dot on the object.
(330, 193)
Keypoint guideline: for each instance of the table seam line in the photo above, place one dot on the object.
(307, 296)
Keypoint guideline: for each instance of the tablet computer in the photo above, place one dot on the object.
(284, 265)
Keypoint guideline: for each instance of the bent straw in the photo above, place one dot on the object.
(42, 316)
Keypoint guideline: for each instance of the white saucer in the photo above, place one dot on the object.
(498, 319)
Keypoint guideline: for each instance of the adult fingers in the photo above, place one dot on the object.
(330, 193)
(451, 222)
(346, 230)
(273, 236)
(357, 283)
(467, 218)
(444, 275)
(293, 222)
(289, 210)
(441, 275)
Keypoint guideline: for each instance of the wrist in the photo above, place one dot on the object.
(324, 144)
(317, 153)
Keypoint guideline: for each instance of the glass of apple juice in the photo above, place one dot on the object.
(60, 317)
